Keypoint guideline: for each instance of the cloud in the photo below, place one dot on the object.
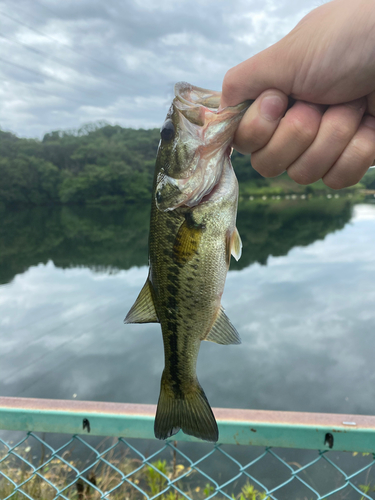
(67, 63)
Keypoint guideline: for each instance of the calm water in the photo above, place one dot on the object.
(302, 298)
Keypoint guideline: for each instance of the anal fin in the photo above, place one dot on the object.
(222, 331)
(143, 309)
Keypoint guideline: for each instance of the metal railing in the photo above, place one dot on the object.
(38, 467)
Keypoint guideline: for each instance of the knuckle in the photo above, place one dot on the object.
(341, 177)
(230, 83)
(301, 176)
(351, 165)
(302, 131)
(337, 182)
(259, 139)
(252, 135)
(362, 151)
(266, 165)
(340, 132)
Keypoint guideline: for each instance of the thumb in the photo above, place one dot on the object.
(267, 69)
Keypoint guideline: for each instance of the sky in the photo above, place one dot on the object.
(65, 64)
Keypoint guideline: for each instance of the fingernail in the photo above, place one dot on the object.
(369, 121)
(272, 107)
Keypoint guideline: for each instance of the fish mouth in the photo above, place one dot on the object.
(191, 97)
(208, 130)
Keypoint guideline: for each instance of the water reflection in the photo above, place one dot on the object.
(116, 238)
(274, 228)
(306, 318)
(73, 236)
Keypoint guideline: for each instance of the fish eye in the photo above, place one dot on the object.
(159, 197)
(167, 131)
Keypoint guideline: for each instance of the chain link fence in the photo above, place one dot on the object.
(44, 466)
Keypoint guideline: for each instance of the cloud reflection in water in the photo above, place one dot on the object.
(306, 320)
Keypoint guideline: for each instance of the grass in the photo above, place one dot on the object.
(151, 479)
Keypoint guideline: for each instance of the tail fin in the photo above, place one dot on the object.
(191, 412)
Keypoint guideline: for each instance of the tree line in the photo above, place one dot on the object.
(98, 163)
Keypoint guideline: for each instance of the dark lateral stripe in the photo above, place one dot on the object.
(174, 358)
(172, 333)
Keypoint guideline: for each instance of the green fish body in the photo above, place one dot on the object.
(192, 236)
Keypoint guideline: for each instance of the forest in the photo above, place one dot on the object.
(98, 163)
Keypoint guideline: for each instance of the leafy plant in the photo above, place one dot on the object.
(249, 492)
(155, 479)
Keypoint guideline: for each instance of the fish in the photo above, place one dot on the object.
(192, 237)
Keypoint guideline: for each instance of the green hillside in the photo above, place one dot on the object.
(103, 164)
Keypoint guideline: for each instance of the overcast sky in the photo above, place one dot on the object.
(63, 64)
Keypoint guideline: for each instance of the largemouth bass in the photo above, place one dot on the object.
(192, 236)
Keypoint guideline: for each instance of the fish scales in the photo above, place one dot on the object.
(192, 235)
(178, 305)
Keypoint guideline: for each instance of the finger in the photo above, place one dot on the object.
(274, 67)
(371, 110)
(338, 125)
(371, 104)
(260, 121)
(355, 159)
(296, 131)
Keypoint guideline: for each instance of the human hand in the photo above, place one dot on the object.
(326, 63)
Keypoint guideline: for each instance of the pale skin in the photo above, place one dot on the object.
(327, 64)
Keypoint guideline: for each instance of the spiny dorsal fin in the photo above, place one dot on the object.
(236, 244)
(143, 309)
(222, 331)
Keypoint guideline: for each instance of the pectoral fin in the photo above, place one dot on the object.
(234, 245)
(143, 310)
(222, 331)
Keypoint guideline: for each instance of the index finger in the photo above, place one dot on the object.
(260, 121)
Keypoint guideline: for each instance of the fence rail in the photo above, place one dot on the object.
(246, 427)
(142, 477)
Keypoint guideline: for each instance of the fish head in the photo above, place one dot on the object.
(195, 140)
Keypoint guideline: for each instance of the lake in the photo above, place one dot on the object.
(302, 298)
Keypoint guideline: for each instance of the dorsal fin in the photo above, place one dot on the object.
(222, 331)
(143, 309)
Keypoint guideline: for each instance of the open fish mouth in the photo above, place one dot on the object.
(193, 102)
(207, 130)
